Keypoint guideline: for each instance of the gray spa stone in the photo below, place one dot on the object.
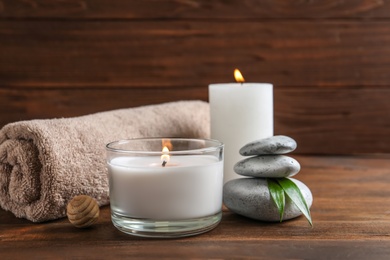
(278, 144)
(268, 166)
(250, 197)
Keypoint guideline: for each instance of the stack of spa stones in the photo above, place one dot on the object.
(250, 197)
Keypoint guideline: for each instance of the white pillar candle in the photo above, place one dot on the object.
(187, 187)
(240, 113)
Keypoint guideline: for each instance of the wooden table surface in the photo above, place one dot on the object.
(351, 215)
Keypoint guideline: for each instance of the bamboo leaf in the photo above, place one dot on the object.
(294, 193)
(277, 195)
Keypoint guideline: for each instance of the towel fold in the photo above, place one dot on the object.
(45, 163)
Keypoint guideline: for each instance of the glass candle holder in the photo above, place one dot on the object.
(165, 187)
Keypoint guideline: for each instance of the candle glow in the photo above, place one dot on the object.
(238, 76)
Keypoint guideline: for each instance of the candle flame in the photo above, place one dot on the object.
(165, 156)
(238, 76)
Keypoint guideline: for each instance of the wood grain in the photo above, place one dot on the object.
(328, 61)
(27, 104)
(350, 214)
(322, 121)
(334, 121)
(69, 54)
(195, 9)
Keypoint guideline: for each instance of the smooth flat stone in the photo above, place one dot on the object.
(278, 144)
(250, 197)
(268, 166)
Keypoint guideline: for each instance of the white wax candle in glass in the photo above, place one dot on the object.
(165, 188)
(240, 113)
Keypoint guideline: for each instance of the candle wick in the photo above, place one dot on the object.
(164, 163)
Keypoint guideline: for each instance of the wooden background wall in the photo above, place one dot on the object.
(329, 61)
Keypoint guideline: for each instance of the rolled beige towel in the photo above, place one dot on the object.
(45, 163)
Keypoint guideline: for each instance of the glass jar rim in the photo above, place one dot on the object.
(214, 147)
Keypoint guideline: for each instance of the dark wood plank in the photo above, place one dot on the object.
(350, 214)
(27, 104)
(186, 249)
(335, 121)
(344, 227)
(199, 9)
(68, 54)
(321, 120)
(189, 249)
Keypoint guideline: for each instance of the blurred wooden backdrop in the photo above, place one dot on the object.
(329, 61)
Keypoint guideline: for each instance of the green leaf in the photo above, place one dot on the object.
(294, 193)
(277, 195)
